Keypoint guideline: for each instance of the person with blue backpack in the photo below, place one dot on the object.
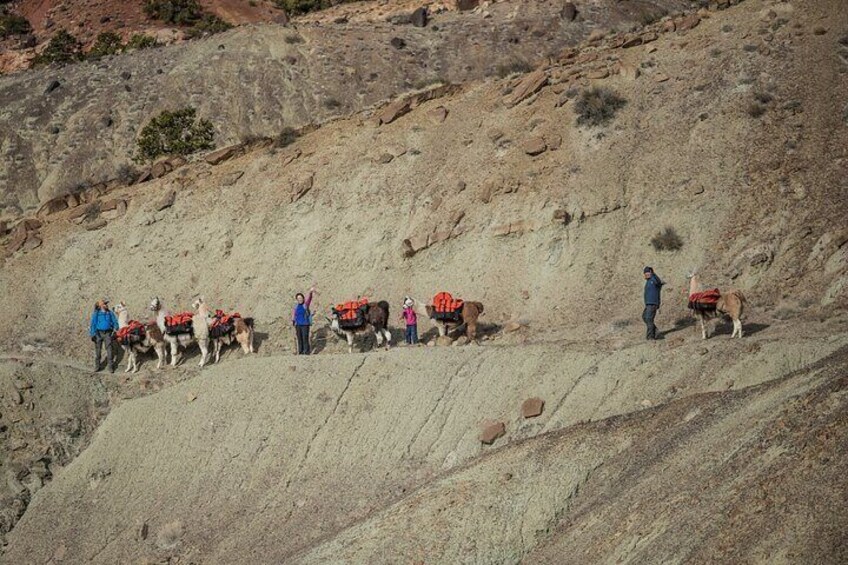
(302, 321)
(101, 329)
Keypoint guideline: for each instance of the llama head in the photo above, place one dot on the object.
(333, 322)
(120, 308)
(198, 302)
(155, 304)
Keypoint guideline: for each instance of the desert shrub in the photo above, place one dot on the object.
(301, 6)
(126, 173)
(755, 109)
(141, 41)
(286, 137)
(667, 240)
(174, 133)
(517, 66)
(208, 24)
(304, 6)
(62, 48)
(13, 24)
(763, 97)
(597, 106)
(176, 12)
(107, 43)
(293, 39)
(331, 104)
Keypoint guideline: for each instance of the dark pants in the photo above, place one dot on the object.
(648, 315)
(412, 334)
(101, 339)
(303, 347)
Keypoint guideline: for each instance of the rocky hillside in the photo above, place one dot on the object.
(541, 193)
(82, 120)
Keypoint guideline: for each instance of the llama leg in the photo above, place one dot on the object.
(204, 351)
(379, 335)
(703, 328)
(250, 341)
(218, 344)
(161, 354)
(349, 336)
(442, 329)
(388, 335)
(175, 352)
(128, 353)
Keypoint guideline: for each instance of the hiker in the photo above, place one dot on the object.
(103, 325)
(653, 287)
(409, 316)
(302, 320)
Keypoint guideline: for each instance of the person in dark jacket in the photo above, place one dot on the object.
(302, 320)
(653, 288)
(101, 329)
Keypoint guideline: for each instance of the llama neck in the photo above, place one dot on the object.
(694, 285)
(123, 319)
(160, 319)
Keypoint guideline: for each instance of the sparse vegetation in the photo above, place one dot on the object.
(763, 97)
(176, 12)
(755, 109)
(13, 24)
(107, 43)
(141, 41)
(517, 66)
(293, 39)
(286, 137)
(208, 25)
(332, 104)
(667, 240)
(63, 48)
(186, 13)
(126, 173)
(174, 133)
(597, 106)
(169, 535)
(303, 6)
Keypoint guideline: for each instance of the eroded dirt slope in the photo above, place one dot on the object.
(301, 449)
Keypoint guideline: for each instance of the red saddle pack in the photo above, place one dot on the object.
(351, 314)
(133, 332)
(446, 307)
(704, 301)
(179, 323)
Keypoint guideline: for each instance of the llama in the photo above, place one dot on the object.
(153, 339)
(470, 316)
(376, 317)
(199, 331)
(241, 331)
(730, 303)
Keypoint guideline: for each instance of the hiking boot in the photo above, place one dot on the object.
(111, 369)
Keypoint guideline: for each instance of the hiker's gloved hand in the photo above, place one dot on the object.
(92, 339)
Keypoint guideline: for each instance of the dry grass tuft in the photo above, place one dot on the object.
(169, 535)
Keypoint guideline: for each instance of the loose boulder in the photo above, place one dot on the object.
(530, 85)
(532, 407)
(492, 431)
(221, 155)
(569, 12)
(167, 200)
(534, 146)
(419, 17)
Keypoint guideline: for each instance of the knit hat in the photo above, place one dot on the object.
(647, 270)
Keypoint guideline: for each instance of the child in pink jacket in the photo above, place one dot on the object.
(411, 318)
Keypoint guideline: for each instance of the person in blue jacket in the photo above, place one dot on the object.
(302, 320)
(653, 288)
(102, 328)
